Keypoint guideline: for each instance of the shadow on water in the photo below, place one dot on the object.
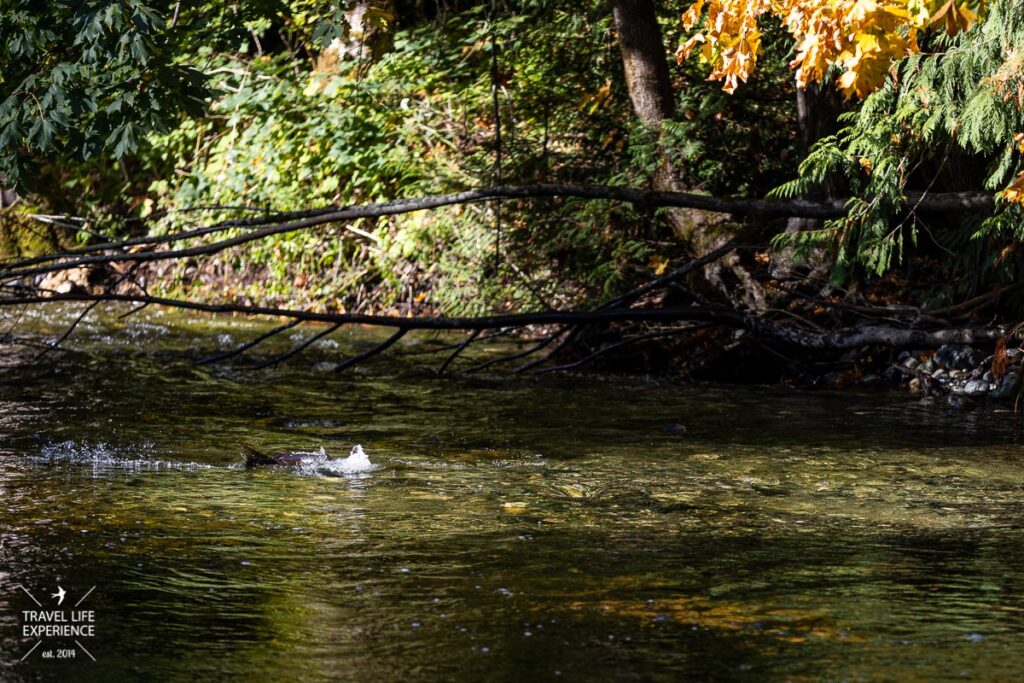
(517, 529)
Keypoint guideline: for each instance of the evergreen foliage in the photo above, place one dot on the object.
(945, 120)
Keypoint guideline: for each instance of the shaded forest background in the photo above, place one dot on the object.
(214, 111)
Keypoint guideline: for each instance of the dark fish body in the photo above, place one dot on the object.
(254, 458)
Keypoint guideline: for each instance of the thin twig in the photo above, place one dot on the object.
(248, 345)
(677, 273)
(461, 347)
(455, 345)
(81, 316)
(497, 134)
(53, 346)
(285, 356)
(573, 333)
(380, 348)
(516, 356)
(132, 311)
(618, 345)
(970, 303)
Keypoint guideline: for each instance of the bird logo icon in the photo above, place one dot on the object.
(59, 595)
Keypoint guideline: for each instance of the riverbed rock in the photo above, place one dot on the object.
(871, 381)
(71, 281)
(976, 387)
(1004, 389)
(957, 357)
(959, 402)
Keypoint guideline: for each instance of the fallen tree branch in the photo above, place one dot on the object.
(294, 221)
(151, 240)
(618, 345)
(574, 332)
(81, 316)
(839, 340)
(676, 274)
(455, 345)
(516, 356)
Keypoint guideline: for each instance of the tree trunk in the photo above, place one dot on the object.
(643, 56)
(8, 197)
(650, 90)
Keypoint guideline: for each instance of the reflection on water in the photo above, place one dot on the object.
(602, 528)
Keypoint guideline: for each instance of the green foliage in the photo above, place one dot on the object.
(275, 133)
(945, 122)
(739, 144)
(88, 77)
(77, 77)
(420, 121)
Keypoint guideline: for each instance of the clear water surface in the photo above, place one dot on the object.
(556, 528)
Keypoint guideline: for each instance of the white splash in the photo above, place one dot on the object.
(357, 462)
(313, 457)
(101, 456)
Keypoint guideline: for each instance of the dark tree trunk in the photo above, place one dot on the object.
(643, 56)
(817, 110)
(650, 90)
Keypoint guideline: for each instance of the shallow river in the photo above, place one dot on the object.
(556, 528)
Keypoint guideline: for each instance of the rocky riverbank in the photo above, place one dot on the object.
(962, 371)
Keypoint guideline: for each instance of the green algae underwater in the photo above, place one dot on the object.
(576, 527)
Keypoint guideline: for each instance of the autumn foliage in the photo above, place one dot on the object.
(862, 38)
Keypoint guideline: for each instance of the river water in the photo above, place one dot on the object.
(555, 528)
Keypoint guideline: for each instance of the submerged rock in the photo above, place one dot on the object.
(959, 402)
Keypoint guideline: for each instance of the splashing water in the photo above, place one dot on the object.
(101, 456)
(357, 462)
